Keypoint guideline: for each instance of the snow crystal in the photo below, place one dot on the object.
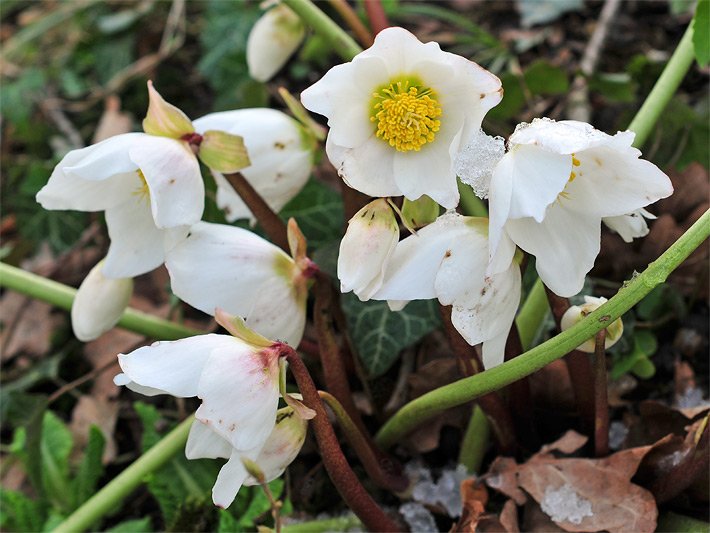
(445, 492)
(418, 517)
(617, 434)
(691, 397)
(565, 505)
(475, 162)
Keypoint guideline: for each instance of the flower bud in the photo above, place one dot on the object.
(578, 312)
(272, 40)
(281, 447)
(99, 304)
(368, 243)
(165, 119)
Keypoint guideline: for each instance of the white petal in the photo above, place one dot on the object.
(272, 40)
(203, 443)
(223, 266)
(240, 393)
(631, 226)
(231, 478)
(136, 244)
(105, 159)
(122, 380)
(171, 170)
(99, 304)
(279, 312)
(172, 366)
(564, 137)
(565, 246)
(493, 350)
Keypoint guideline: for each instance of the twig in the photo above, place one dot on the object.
(348, 14)
(398, 396)
(376, 14)
(601, 402)
(61, 391)
(54, 112)
(578, 100)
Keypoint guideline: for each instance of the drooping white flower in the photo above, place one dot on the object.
(398, 114)
(551, 190)
(273, 39)
(631, 226)
(99, 303)
(448, 260)
(577, 312)
(369, 241)
(236, 270)
(280, 153)
(237, 379)
(149, 184)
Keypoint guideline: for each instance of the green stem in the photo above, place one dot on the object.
(465, 390)
(342, 523)
(475, 441)
(338, 39)
(531, 314)
(122, 485)
(663, 90)
(62, 296)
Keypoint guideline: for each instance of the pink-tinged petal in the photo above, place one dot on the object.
(173, 367)
(136, 244)
(612, 182)
(203, 443)
(177, 193)
(240, 392)
(224, 266)
(565, 246)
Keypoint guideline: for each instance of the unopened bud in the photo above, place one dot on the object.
(272, 40)
(165, 119)
(99, 304)
(369, 241)
(578, 312)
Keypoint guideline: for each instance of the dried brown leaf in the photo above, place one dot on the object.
(95, 411)
(27, 325)
(569, 443)
(474, 498)
(502, 476)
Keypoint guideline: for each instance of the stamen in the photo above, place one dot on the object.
(142, 191)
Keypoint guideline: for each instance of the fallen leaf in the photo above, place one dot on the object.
(569, 443)
(95, 411)
(509, 517)
(27, 325)
(474, 498)
(502, 476)
(113, 121)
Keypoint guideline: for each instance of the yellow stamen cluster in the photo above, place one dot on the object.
(573, 174)
(406, 116)
(142, 191)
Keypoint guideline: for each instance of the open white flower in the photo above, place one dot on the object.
(448, 260)
(551, 190)
(99, 303)
(236, 270)
(280, 153)
(577, 312)
(369, 241)
(149, 184)
(273, 39)
(399, 113)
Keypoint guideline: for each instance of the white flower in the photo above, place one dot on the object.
(631, 226)
(448, 260)
(280, 449)
(272, 40)
(368, 243)
(554, 186)
(399, 113)
(237, 379)
(149, 184)
(99, 304)
(236, 270)
(577, 312)
(280, 151)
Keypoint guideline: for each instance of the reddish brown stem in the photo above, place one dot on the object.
(492, 403)
(376, 15)
(344, 479)
(348, 15)
(580, 369)
(274, 227)
(601, 402)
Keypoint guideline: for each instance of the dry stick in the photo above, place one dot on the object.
(348, 14)
(492, 404)
(601, 402)
(579, 367)
(376, 15)
(344, 479)
(578, 100)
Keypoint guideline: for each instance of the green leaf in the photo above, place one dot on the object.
(380, 334)
(701, 32)
(616, 87)
(260, 504)
(543, 78)
(644, 368)
(534, 12)
(142, 525)
(638, 360)
(55, 445)
(19, 513)
(90, 469)
(513, 99)
(227, 522)
(319, 213)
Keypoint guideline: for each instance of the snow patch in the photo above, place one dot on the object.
(475, 163)
(418, 517)
(565, 505)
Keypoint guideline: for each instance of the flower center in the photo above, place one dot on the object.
(142, 191)
(406, 115)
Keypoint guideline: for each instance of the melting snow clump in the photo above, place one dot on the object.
(565, 505)
(475, 162)
(444, 493)
(418, 518)
(617, 434)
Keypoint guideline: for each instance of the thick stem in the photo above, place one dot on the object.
(344, 479)
(374, 466)
(519, 398)
(347, 13)
(274, 227)
(475, 441)
(664, 89)
(111, 495)
(601, 402)
(376, 15)
(531, 314)
(62, 296)
(339, 41)
(463, 391)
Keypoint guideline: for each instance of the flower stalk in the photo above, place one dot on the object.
(601, 403)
